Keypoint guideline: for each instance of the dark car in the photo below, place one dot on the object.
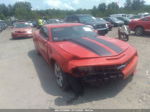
(124, 19)
(114, 21)
(1, 29)
(3, 25)
(101, 20)
(35, 24)
(87, 19)
(51, 21)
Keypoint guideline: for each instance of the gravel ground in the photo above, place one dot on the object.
(27, 82)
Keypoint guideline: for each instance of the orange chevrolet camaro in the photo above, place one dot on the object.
(77, 54)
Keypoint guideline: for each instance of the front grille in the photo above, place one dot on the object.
(20, 31)
(102, 73)
(107, 71)
(101, 26)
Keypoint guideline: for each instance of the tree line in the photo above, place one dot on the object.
(23, 10)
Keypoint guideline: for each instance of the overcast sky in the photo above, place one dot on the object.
(66, 4)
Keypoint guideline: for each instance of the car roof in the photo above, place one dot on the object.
(62, 25)
(78, 15)
(20, 22)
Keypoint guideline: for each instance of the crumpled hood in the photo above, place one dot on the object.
(93, 48)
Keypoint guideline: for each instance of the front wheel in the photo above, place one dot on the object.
(124, 37)
(139, 31)
(61, 77)
(66, 82)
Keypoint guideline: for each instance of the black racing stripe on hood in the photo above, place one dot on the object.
(91, 46)
(108, 44)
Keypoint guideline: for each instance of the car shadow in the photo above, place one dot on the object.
(145, 35)
(91, 92)
(22, 38)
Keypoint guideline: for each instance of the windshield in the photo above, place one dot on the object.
(101, 20)
(52, 21)
(136, 17)
(86, 19)
(127, 19)
(65, 33)
(21, 25)
(114, 19)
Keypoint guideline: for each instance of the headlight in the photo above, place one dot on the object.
(107, 26)
(90, 26)
(29, 31)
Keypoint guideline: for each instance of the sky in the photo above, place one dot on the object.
(66, 4)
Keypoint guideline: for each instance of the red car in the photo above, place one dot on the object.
(78, 54)
(20, 30)
(140, 25)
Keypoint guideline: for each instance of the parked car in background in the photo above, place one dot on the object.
(124, 19)
(30, 23)
(87, 19)
(35, 24)
(101, 20)
(136, 17)
(118, 15)
(21, 29)
(3, 24)
(140, 26)
(52, 21)
(77, 54)
(1, 29)
(144, 14)
(114, 21)
(130, 15)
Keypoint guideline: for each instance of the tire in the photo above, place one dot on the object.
(61, 77)
(139, 31)
(124, 37)
(66, 81)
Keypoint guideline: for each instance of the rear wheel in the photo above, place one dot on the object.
(139, 31)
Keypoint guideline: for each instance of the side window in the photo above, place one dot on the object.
(75, 19)
(146, 19)
(72, 19)
(69, 19)
(44, 33)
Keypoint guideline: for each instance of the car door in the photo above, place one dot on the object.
(75, 19)
(43, 45)
(146, 23)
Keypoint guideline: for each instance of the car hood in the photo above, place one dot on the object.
(135, 19)
(119, 22)
(93, 48)
(94, 23)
